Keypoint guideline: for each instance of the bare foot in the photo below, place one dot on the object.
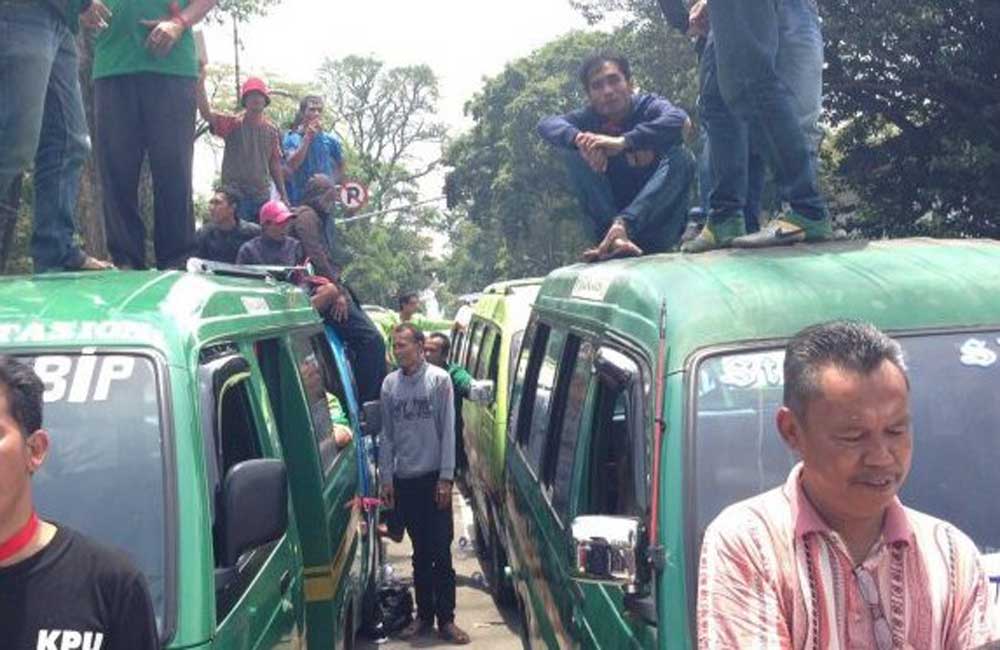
(622, 247)
(93, 264)
(591, 254)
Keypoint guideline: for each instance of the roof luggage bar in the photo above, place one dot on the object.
(266, 273)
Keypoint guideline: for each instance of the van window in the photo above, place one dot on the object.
(237, 438)
(616, 467)
(324, 391)
(475, 341)
(564, 425)
(487, 352)
(544, 397)
(954, 381)
(535, 336)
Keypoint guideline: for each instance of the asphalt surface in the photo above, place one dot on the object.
(477, 614)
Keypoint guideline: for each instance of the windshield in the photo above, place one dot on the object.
(104, 472)
(955, 380)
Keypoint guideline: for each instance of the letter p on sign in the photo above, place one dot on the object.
(353, 195)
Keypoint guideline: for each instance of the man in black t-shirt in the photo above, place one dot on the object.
(58, 589)
(220, 239)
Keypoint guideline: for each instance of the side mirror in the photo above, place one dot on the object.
(606, 550)
(255, 506)
(371, 418)
(482, 391)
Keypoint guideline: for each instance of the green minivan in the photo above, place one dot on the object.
(488, 349)
(208, 426)
(644, 403)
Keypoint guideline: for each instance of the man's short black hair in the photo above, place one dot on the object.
(445, 342)
(418, 336)
(406, 296)
(23, 390)
(595, 61)
(231, 197)
(854, 346)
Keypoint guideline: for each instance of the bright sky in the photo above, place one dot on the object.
(462, 41)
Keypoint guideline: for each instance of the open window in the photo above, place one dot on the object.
(233, 450)
(617, 467)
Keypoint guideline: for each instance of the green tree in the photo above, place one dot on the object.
(913, 88)
(385, 117)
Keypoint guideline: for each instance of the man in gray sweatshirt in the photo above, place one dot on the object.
(417, 465)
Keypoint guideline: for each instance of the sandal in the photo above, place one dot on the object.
(415, 628)
(93, 264)
(622, 248)
(453, 634)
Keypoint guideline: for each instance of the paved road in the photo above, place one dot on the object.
(477, 614)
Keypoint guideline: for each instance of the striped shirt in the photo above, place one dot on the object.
(774, 575)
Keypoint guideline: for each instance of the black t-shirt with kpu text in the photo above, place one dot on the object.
(75, 595)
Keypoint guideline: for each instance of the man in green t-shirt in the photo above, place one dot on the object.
(409, 312)
(145, 72)
(436, 348)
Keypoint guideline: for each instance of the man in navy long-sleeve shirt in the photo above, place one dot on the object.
(626, 161)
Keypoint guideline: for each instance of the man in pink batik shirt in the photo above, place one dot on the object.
(832, 559)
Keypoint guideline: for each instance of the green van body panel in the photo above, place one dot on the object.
(502, 311)
(713, 302)
(174, 318)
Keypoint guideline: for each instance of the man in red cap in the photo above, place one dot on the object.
(273, 247)
(252, 158)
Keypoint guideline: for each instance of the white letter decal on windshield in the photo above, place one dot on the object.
(113, 368)
(82, 378)
(52, 371)
(975, 353)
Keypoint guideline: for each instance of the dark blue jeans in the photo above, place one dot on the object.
(655, 217)
(764, 50)
(42, 118)
(366, 347)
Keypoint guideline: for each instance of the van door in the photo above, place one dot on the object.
(254, 598)
(613, 476)
(309, 399)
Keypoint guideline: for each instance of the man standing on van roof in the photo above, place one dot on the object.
(832, 559)
(626, 160)
(417, 465)
(58, 589)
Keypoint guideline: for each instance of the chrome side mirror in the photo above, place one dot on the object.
(606, 550)
(482, 391)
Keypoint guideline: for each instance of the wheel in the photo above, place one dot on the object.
(500, 587)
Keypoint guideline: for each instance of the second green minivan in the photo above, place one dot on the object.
(644, 403)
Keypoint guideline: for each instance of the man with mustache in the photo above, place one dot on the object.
(832, 559)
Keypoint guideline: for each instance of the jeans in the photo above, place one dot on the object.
(431, 531)
(140, 115)
(767, 61)
(42, 118)
(366, 347)
(248, 208)
(655, 217)
(753, 192)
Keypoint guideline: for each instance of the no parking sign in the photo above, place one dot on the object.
(353, 195)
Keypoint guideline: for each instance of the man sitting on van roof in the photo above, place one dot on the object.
(220, 239)
(832, 559)
(273, 247)
(626, 160)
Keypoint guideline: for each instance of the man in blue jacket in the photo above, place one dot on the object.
(626, 161)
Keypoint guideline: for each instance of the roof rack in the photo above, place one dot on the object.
(266, 273)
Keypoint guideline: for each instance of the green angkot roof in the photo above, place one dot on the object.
(141, 307)
(732, 296)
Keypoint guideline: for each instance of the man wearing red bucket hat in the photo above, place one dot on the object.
(252, 158)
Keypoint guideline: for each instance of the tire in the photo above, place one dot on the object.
(501, 588)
